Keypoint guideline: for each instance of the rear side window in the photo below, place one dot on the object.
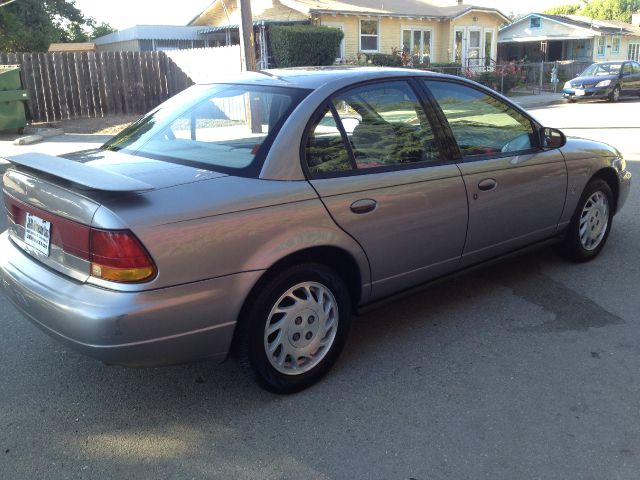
(482, 124)
(377, 125)
(326, 151)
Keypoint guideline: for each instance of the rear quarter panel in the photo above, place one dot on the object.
(229, 225)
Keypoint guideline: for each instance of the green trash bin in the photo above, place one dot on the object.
(12, 98)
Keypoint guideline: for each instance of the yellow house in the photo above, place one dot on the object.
(542, 37)
(434, 31)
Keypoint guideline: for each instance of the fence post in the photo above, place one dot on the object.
(541, 76)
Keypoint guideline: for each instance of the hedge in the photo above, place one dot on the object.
(304, 45)
(385, 59)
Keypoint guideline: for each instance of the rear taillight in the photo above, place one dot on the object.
(118, 256)
(114, 255)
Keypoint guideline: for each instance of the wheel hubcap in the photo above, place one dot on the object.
(594, 221)
(301, 328)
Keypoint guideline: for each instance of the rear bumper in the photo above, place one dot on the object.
(157, 327)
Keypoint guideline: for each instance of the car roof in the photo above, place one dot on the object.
(315, 77)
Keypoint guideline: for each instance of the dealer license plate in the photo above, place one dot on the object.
(579, 93)
(37, 233)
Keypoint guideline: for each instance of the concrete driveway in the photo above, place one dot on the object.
(525, 370)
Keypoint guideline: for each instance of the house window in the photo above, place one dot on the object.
(417, 44)
(615, 44)
(488, 47)
(534, 22)
(369, 37)
(457, 51)
(602, 45)
(634, 52)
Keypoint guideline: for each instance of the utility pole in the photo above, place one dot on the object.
(247, 38)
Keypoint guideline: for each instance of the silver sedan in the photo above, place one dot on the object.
(256, 216)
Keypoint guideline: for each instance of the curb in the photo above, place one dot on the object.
(28, 140)
(539, 103)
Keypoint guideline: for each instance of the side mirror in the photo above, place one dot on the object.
(552, 138)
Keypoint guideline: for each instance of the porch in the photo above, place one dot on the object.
(546, 50)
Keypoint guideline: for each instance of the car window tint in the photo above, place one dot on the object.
(325, 150)
(627, 70)
(386, 125)
(636, 67)
(481, 124)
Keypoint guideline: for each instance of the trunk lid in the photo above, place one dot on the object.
(52, 202)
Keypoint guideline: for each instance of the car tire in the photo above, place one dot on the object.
(288, 352)
(614, 96)
(571, 100)
(591, 223)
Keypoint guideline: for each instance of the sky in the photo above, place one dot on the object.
(126, 13)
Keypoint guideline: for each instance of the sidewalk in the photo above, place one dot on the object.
(540, 100)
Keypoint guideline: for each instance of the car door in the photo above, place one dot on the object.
(372, 156)
(516, 190)
(627, 80)
(636, 77)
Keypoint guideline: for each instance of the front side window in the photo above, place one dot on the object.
(384, 124)
(224, 127)
(369, 35)
(482, 124)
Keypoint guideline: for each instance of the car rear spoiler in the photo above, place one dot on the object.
(79, 173)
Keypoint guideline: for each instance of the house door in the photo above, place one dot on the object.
(468, 46)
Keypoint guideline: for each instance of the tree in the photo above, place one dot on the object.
(99, 30)
(31, 25)
(600, 9)
(564, 10)
(611, 9)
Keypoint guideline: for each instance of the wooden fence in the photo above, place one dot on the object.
(81, 85)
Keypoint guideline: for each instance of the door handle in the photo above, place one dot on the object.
(365, 205)
(487, 184)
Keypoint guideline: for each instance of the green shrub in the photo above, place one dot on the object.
(304, 45)
(385, 59)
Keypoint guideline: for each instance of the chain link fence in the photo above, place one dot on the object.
(519, 78)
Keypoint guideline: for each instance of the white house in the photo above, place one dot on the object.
(542, 37)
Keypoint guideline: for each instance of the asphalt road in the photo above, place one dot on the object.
(525, 370)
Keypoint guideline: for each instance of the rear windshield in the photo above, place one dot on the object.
(223, 127)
